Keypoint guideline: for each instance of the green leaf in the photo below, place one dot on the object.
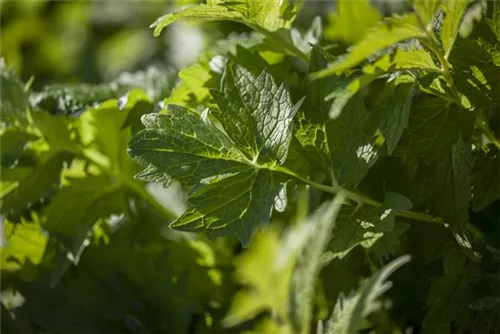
(266, 277)
(398, 115)
(181, 146)
(449, 294)
(350, 311)
(341, 146)
(410, 59)
(195, 80)
(24, 242)
(485, 178)
(64, 99)
(14, 101)
(309, 261)
(351, 21)
(434, 127)
(382, 35)
(12, 145)
(449, 183)
(269, 15)
(30, 187)
(453, 14)
(426, 10)
(494, 22)
(98, 198)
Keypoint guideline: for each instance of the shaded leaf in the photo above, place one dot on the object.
(434, 127)
(350, 311)
(486, 178)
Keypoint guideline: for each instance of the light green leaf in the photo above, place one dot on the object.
(181, 146)
(24, 242)
(434, 127)
(382, 35)
(453, 14)
(351, 21)
(210, 11)
(411, 59)
(195, 80)
(269, 15)
(399, 114)
(485, 178)
(309, 262)
(426, 10)
(350, 311)
(267, 280)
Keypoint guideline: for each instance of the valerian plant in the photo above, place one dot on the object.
(364, 144)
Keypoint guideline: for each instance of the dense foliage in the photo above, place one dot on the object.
(337, 178)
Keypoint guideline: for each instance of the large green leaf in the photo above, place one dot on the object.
(349, 312)
(485, 178)
(182, 146)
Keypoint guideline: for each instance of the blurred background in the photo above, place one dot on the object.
(94, 41)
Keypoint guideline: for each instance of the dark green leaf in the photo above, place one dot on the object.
(434, 127)
(349, 312)
(486, 178)
(398, 115)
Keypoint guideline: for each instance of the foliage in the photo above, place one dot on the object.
(272, 186)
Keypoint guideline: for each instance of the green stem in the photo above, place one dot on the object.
(361, 198)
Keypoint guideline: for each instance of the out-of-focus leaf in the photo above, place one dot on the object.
(351, 21)
(350, 311)
(486, 178)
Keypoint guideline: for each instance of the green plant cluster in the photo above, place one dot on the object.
(272, 186)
